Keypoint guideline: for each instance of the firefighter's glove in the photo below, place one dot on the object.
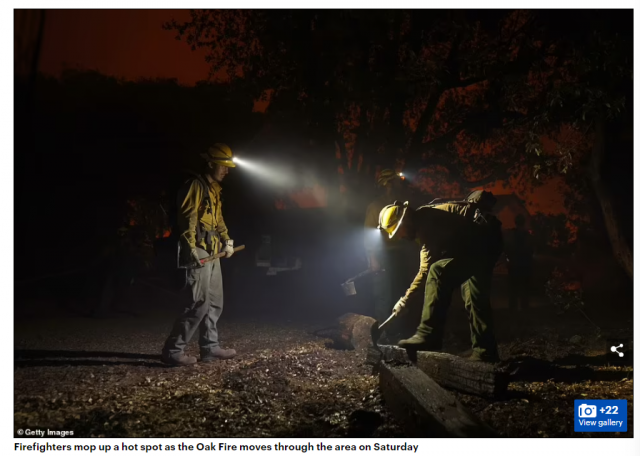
(196, 259)
(400, 305)
(228, 248)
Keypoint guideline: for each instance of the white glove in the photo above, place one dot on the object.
(196, 259)
(228, 248)
(400, 305)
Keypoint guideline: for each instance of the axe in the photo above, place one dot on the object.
(214, 257)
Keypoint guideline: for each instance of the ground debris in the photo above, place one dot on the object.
(296, 388)
(107, 381)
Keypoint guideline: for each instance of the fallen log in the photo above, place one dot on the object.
(352, 331)
(424, 408)
(449, 371)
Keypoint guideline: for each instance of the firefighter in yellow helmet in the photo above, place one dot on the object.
(202, 233)
(384, 254)
(460, 244)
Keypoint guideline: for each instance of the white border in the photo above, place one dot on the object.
(582, 447)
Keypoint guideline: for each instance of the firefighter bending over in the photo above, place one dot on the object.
(460, 244)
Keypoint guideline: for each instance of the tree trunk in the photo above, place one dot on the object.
(619, 244)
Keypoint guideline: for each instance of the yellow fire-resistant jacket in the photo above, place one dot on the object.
(194, 212)
(445, 231)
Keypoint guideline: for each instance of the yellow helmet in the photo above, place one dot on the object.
(220, 154)
(386, 176)
(391, 217)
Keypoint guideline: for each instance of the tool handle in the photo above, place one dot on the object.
(220, 255)
(363, 274)
(393, 315)
(214, 257)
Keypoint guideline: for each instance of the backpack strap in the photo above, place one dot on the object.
(201, 233)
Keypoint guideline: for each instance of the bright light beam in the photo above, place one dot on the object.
(278, 176)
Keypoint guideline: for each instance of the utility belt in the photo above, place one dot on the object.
(211, 238)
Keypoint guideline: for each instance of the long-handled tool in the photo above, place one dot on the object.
(349, 287)
(214, 257)
(376, 330)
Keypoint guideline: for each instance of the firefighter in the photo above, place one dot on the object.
(460, 244)
(382, 252)
(202, 233)
(519, 253)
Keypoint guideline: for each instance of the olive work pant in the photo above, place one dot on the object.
(203, 299)
(474, 277)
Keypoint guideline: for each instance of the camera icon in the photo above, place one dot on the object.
(587, 411)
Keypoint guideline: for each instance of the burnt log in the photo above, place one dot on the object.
(352, 332)
(449, 371)
(425, 409)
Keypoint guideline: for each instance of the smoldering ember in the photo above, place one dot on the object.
(322, 223)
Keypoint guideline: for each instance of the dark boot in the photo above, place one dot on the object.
(178, 360)
(216, 354)
(420, 343)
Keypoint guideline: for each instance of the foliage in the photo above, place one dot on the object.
(552, 233)
(588, 76)
(464, 97)
(563, 292)
(429, 85)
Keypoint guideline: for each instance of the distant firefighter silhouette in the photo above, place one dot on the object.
(518, 248)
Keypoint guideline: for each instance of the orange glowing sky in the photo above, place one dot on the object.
(131, 44)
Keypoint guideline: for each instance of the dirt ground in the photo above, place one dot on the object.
(103, 377)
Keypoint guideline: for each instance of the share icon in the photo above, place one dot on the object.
(614, 349)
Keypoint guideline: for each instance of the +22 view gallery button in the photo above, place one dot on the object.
(598, 415)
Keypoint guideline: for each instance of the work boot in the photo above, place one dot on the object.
(178, 360)
(216, 354)
(420, 343)
(484, 357)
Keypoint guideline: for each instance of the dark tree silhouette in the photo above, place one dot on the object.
(100, 142)
(464, 92)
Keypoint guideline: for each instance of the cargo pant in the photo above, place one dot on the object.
(203, 299)
(474, 276)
